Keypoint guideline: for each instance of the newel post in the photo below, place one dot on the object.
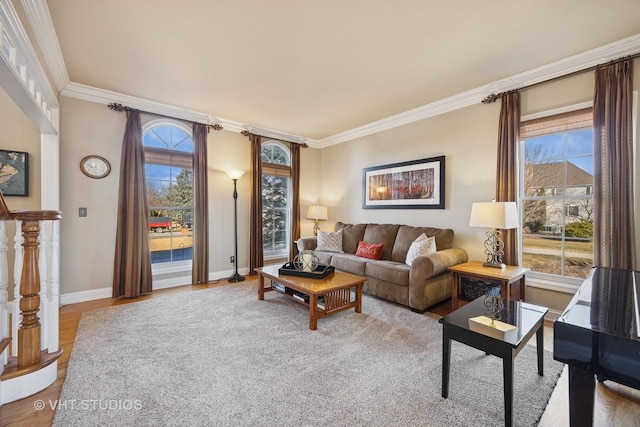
(29, 331)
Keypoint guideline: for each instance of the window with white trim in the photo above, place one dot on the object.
(276, 198)
(168, 151)
(556, 194)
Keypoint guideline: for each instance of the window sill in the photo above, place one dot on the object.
(568, 285)
(276, 255)
(171, 267)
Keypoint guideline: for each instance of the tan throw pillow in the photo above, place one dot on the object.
(329, 242)
(422, 246)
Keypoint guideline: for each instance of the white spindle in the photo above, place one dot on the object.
(54, 287)
(43, 245)
(4, 288)
(16, 317)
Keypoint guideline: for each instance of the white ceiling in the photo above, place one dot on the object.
(321, 68)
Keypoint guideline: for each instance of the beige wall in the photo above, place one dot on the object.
(468, 139)
(20, 134)
(330, 176)
(88, 243)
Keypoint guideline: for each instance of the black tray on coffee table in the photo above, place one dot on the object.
(320, 272)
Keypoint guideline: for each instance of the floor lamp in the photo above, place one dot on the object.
(235, 176)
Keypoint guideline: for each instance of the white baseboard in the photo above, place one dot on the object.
(101, 293)
(82, 296)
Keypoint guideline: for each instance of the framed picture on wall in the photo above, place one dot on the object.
(417, 184)
(14, 173)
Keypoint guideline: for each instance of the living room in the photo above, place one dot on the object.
(453, 124)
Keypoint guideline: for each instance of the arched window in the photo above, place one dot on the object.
(168, 151)
(276, 199)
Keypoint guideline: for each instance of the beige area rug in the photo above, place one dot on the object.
(220, 357)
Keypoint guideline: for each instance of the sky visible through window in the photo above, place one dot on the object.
(578, 145)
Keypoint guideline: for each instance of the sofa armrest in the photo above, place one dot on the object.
(431, 265)
(307, 243)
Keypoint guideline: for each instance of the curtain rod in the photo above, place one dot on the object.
(490, 99)
(120, 108)
(301, 144)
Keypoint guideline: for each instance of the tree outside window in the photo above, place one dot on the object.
(276, 199)
(169, 173)
(557, 196)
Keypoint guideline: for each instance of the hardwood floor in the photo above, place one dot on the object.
(616, 405)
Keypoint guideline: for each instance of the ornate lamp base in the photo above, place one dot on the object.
(495, 264)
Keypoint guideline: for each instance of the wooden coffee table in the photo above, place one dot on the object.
(334, 289)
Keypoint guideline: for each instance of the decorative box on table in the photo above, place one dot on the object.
(493, 328)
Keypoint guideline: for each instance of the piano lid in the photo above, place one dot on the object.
(607, 302)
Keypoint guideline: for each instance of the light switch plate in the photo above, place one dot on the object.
(82, 212)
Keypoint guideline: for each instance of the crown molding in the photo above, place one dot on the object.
(575, 63)
(106, 97)
(40, 21)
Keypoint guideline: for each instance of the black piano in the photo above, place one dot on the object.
(598, 335)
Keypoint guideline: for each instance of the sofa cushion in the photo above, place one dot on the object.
(329, 241)
(350, 263)
(422, 246)
(385, 234)
(407, 235)
(351, 235)
(369, 250)
(389, 271)
(324, 258)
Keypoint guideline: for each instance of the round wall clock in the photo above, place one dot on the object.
(95, 166)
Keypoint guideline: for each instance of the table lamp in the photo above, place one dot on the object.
(496, 216)
(317, 213)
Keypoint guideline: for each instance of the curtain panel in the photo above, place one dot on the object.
(295, 200)
(200, 268)
(614, 228)
(507, 170)
(256, 257)
(132, 263)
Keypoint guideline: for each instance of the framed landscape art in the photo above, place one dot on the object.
(14, 173)
(417, 184)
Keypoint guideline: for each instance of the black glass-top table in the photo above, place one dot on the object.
(525, 320)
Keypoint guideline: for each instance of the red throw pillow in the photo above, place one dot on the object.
(369, 250)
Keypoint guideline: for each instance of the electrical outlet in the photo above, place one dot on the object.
(232, 259)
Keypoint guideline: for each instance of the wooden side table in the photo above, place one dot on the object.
(475, 270)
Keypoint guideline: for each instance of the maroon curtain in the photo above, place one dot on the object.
(256, 257)
(132, 264)
(295, 199)
(506, 177)
(200, 269)
(614, 229)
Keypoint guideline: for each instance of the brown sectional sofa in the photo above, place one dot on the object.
(420, 286)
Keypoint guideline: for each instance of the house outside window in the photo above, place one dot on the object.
(556, 194)
(276, 199)
(168, 150)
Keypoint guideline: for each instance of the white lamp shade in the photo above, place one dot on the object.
(235, 174)
(499, 215)
(317, 212)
